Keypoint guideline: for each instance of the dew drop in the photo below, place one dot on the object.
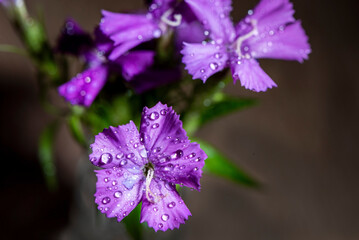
(271, 32)
(218, 55)
(155, 209)
(156, 125)
(192, 155)
(106, 158)
(197, 159)
(123, 162)
(206, 33)
(114, 182)
(163, 112)
(117, 194)
(106, 200)
(106, 180)
(156, 150)
(250, 12)
(202, 70)
(171, 205)
(157, 33)
(93, 159)
(130, 155)
(213, 66)
(195, 169)
(139, 37)
(169, 167)
(160, 225)
(182, 167)
(176, 155)
(87, 80)
(165, 217)
(154, 116)
(119, 155)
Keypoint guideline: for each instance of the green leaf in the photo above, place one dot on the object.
(46, 155)
(223, 105)
(74, 123)
(133, 225)
(219, 165)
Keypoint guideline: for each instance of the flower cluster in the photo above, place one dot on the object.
(145, 166)
(204, 34)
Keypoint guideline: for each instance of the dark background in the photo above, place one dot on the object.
(301, 141)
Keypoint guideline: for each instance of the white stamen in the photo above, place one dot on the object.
(149, 178)
(173, 23)
(241, 39)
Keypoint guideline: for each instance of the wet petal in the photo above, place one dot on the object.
(83, 89)
(119, 147)
(128, 30)
(251, 75)
(175, 158)
(215, 16)
(182, 166)
(135, 62)
(118, 191)
(204, 60)
(168, 212)
(288, 43)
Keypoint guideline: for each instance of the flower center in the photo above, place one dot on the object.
(149, 171)
(177, 18)
(241, 39)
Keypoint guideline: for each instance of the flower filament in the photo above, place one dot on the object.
(241, 39)
(173, 23)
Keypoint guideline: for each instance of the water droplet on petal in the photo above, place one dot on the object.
(106, 200)
(157, 33)
(250, 12)
(139, 37)
(156, 125)
(171, 205)
(106, 158)
(165, 217)
(163, 112)
(130, 155)
(93, 159)
(154, 116)
(123, 162)
(206, 33)
(106, 180)
(202, 70)
(87, 80)
(195, 169)
(156, 150)
(169, 167)
(176, 155)
(213, 66)
(155, 209)
(114, 182)
(160, 225)
(119, 155)
(117, 194)
(197, 159)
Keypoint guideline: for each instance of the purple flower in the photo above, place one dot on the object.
(268, 31)
(145, 166)
(84, 88)
(129, 30)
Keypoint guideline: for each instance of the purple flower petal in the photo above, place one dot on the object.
(73, 40)
(215, 17)
(251, 75)
(128, 30)
(154, 78)
(135, 62)
(288, 43)
(202, 61)
(168, 212)
(83, 89)
(118, 147)
(169, 148)
(182, 166)
(118, 191)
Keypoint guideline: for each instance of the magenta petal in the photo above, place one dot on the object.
(83, 89)
(168, 212)
(182, 166)
(288, 43)
(269, 13)
(175, 158)
(251, 75)
(161, 128)
(118, 147)
(118, 191)
(128, 30)
(204, 60)
(135, 62)
(215, 16)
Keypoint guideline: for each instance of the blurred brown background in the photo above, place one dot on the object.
(301, 141)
